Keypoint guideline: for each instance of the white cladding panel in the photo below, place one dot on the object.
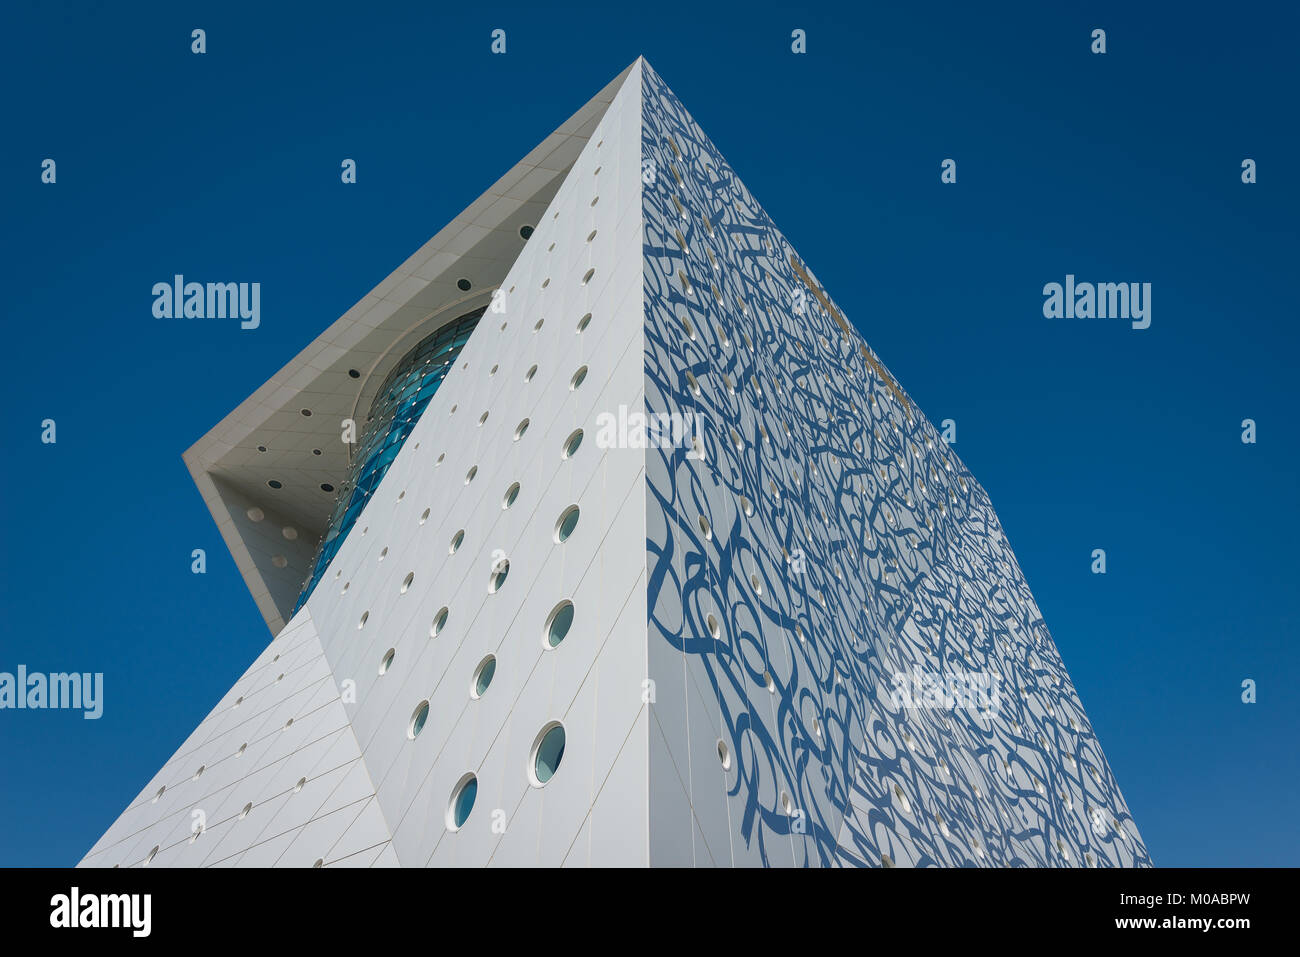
(846, 546)
(282, 723)
(591, 682)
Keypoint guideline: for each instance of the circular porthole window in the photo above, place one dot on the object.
(532, 371)
(386, 661)
(706, 528)
(455, 542)
(590, 272)
(482, 676)
(525, 232)
(159, 794)
(571, 444)
(547, 753)
(425, 516)
(152, 854)
(469, 476)
(406, 582)
(199, 772)
(558, 623)
(567, 522)
(584, 322)
(418, 717)
(439, 460)
(578, 378)
(365, 616)
(512, 493)
(246, 811)
(462, 802)
(439, 622)
(302, 783)
(724, 755)
(537, 326)
(500, 570)
(463, 285)
(520, 429)
(712, 623)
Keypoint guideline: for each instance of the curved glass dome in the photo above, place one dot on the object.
(397, 406)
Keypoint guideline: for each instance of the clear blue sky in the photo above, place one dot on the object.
(1086, 434)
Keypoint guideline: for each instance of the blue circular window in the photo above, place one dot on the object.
(547, 753)
(571, 444)
(418, 718)
(567, 523)
(439, 622)
(483, 676)
(559, 623)
(462, 802)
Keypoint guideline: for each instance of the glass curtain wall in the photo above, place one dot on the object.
(397, 406)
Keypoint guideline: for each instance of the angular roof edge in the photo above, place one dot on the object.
(272, 533)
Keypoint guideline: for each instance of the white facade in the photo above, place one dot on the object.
(725, 687)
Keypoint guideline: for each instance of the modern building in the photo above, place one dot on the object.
(597, 535)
